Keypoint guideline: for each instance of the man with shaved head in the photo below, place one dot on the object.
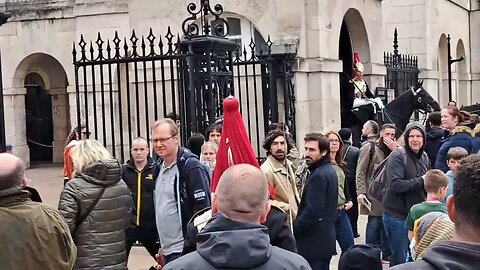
(33, 235)
(138, 174)
(233, 238)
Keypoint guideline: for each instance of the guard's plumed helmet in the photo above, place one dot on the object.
(358, 66)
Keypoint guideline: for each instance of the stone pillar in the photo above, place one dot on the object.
(318, 96)
(60, 122)
(15, 122)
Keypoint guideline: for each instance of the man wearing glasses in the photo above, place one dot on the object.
(181, 188)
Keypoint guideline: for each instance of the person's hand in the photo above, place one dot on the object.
(360, 199)
(160, 258)
(391, 144)
(348, 205)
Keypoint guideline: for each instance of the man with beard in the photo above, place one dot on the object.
(314, 228)
(372, 153)
(280, 174)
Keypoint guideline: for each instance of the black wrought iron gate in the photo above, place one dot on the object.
(124, 85)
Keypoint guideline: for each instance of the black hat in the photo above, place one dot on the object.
(359, 257)
(345, 134)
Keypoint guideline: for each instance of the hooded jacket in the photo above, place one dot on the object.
(446, 255)
(100, 238)
(192, 190)
(279, 230)
(405, 186)
(461, 136)
(33, 235)
(141, 185)
(433, 143)
(229, 244)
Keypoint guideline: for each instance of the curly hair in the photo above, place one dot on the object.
(466, 190)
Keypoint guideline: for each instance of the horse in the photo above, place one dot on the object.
(400, 110)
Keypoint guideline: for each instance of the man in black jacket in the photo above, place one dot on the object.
(233, 238)
(138, 175)
(463, 252)
(314, 228)
(435, 134)
(181, 188)
(350, 156)
(406, 168)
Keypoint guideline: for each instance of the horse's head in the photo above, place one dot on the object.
(422, 100)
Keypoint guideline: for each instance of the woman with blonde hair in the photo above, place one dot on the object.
(96, 204)
(343, 229)
(209, 154)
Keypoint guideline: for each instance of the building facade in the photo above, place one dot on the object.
(39, 77)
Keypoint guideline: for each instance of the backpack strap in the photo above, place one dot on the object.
(346, 152)
(372, 153)
(82, 218)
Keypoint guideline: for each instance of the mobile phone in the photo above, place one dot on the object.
(368, 204)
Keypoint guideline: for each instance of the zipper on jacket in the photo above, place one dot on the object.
(139, 196)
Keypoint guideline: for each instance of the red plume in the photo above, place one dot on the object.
(238, 142)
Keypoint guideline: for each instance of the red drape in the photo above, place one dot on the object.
(238, 142)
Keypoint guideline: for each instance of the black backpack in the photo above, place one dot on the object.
(378, 185)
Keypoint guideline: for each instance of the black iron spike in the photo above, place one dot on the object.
(143, 46)
(395, 41)
(74, 52)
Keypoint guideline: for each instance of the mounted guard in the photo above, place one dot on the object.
(362, 94)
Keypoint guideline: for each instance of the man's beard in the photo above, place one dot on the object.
(281, 159)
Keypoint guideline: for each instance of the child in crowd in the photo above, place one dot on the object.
(432, 227)
(454, 155)
(436, 185)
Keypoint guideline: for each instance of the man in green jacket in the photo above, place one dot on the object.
(33, 235)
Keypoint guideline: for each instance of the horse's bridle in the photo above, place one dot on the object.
(423, 112)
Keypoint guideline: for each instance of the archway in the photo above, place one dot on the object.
(442, 63)
(39, 121)
(353, 37)
(44, 81)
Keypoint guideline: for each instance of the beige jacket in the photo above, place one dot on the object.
(364, 172)
(282, 179)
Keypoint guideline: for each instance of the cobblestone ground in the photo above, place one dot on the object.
(48, 180)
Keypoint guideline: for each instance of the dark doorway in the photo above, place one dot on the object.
(346, 95)
(39, 121)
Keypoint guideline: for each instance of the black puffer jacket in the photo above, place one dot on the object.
(433, 143)
(100, 239)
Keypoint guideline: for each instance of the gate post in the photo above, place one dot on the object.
(207, 70)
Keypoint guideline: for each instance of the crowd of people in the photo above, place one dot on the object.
(211, 205)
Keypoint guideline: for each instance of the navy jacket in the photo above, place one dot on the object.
(433, 143)
(314, 228)
(192, 189)
(461, 136)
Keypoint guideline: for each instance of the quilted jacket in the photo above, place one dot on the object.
(100, 238)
